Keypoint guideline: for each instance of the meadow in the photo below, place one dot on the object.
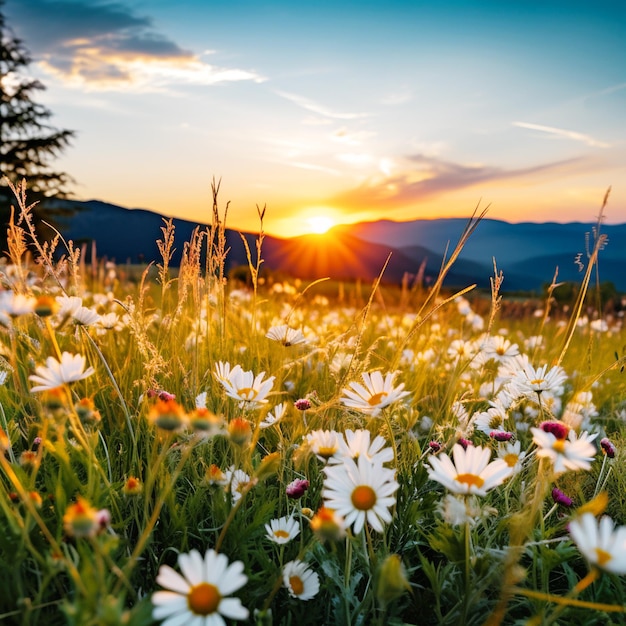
(181, 448)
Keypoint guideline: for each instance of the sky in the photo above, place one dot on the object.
(353, 111)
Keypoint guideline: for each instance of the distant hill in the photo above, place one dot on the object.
(527, 253)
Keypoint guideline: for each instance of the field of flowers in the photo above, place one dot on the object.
(182, 449)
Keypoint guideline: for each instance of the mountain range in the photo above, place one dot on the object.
(527, 253)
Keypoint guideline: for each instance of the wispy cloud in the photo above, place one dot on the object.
(429, 177)
(105, 45)
(319, 109)
(567, 134)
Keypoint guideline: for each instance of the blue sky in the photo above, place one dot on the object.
(356, 110)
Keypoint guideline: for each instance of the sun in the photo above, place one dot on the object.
(319, 224)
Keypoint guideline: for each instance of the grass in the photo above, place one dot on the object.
(107, 478)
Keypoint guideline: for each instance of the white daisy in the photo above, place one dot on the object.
(300, 580)
(286, 335)
(236, 481)
(84, 316)
(375, 393)
(251, 391)
(323, 443)
(198, 597)
(273, 417)
(566, 453)
(512, 455)
(282, 530)
(15, 304)
(57, 373)
(471, 472)
(357, 443)
(360, 492)
(601, 543)
(530, 382)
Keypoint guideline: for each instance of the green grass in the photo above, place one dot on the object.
(513, 562)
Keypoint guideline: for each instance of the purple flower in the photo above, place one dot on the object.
(303, 404)
(464, 442)
(501, 435)
(166, 396)
(607, 447)
(558, 429)
(296, 488)
(560, 498)
(434, 446)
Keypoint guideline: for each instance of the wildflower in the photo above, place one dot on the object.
(240, 431)
(326, 524)
(251, 391)
(286, 335)
(46, 306)
(434, 447)
(199, 596)
(297, 488)
(491, 419)
(558, 429)
(501, 435)
(69, 369)
(15, 304)
(84, 316)
(458, 511)
(87, 412)
(282, 530)
(531, 382)
(500, 349)
(303, 404)
(35, 498)
(571, 453)
(205, 423)
(360, 491)
(601, 543)
(28, 459)
(223, 371)
(275, 416)
(607, 447)
(68, 305)
(167, 415)
(511, 455)
(392, 579)
(357, 443)
(323, 443)
(301, 581)
(560, 498)
(465, 443)
(471, 472)
(81, 519)
(216, 476)
(132, 486)
(375, 393)
(238, 482)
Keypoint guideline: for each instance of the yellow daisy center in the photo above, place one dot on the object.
(510, 459)
(296, 584)
(363, 498)
(248, 393)
(538, 381)
(203, 599)
(559, 446)
(281, 534)
(603, 556)
(377, 398)
(326, 451)
(472, 480)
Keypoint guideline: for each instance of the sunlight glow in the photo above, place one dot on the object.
(319, 224)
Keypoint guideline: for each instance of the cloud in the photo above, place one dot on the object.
(429, 177)
(105, 45)
(319, 109)
(567, 134)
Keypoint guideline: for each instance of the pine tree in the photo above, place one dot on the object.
(27, 141)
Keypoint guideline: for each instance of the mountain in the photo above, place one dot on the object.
(527, 253)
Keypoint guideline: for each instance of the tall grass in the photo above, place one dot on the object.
(107, 478)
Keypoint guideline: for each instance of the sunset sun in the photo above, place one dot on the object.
(319, 224)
